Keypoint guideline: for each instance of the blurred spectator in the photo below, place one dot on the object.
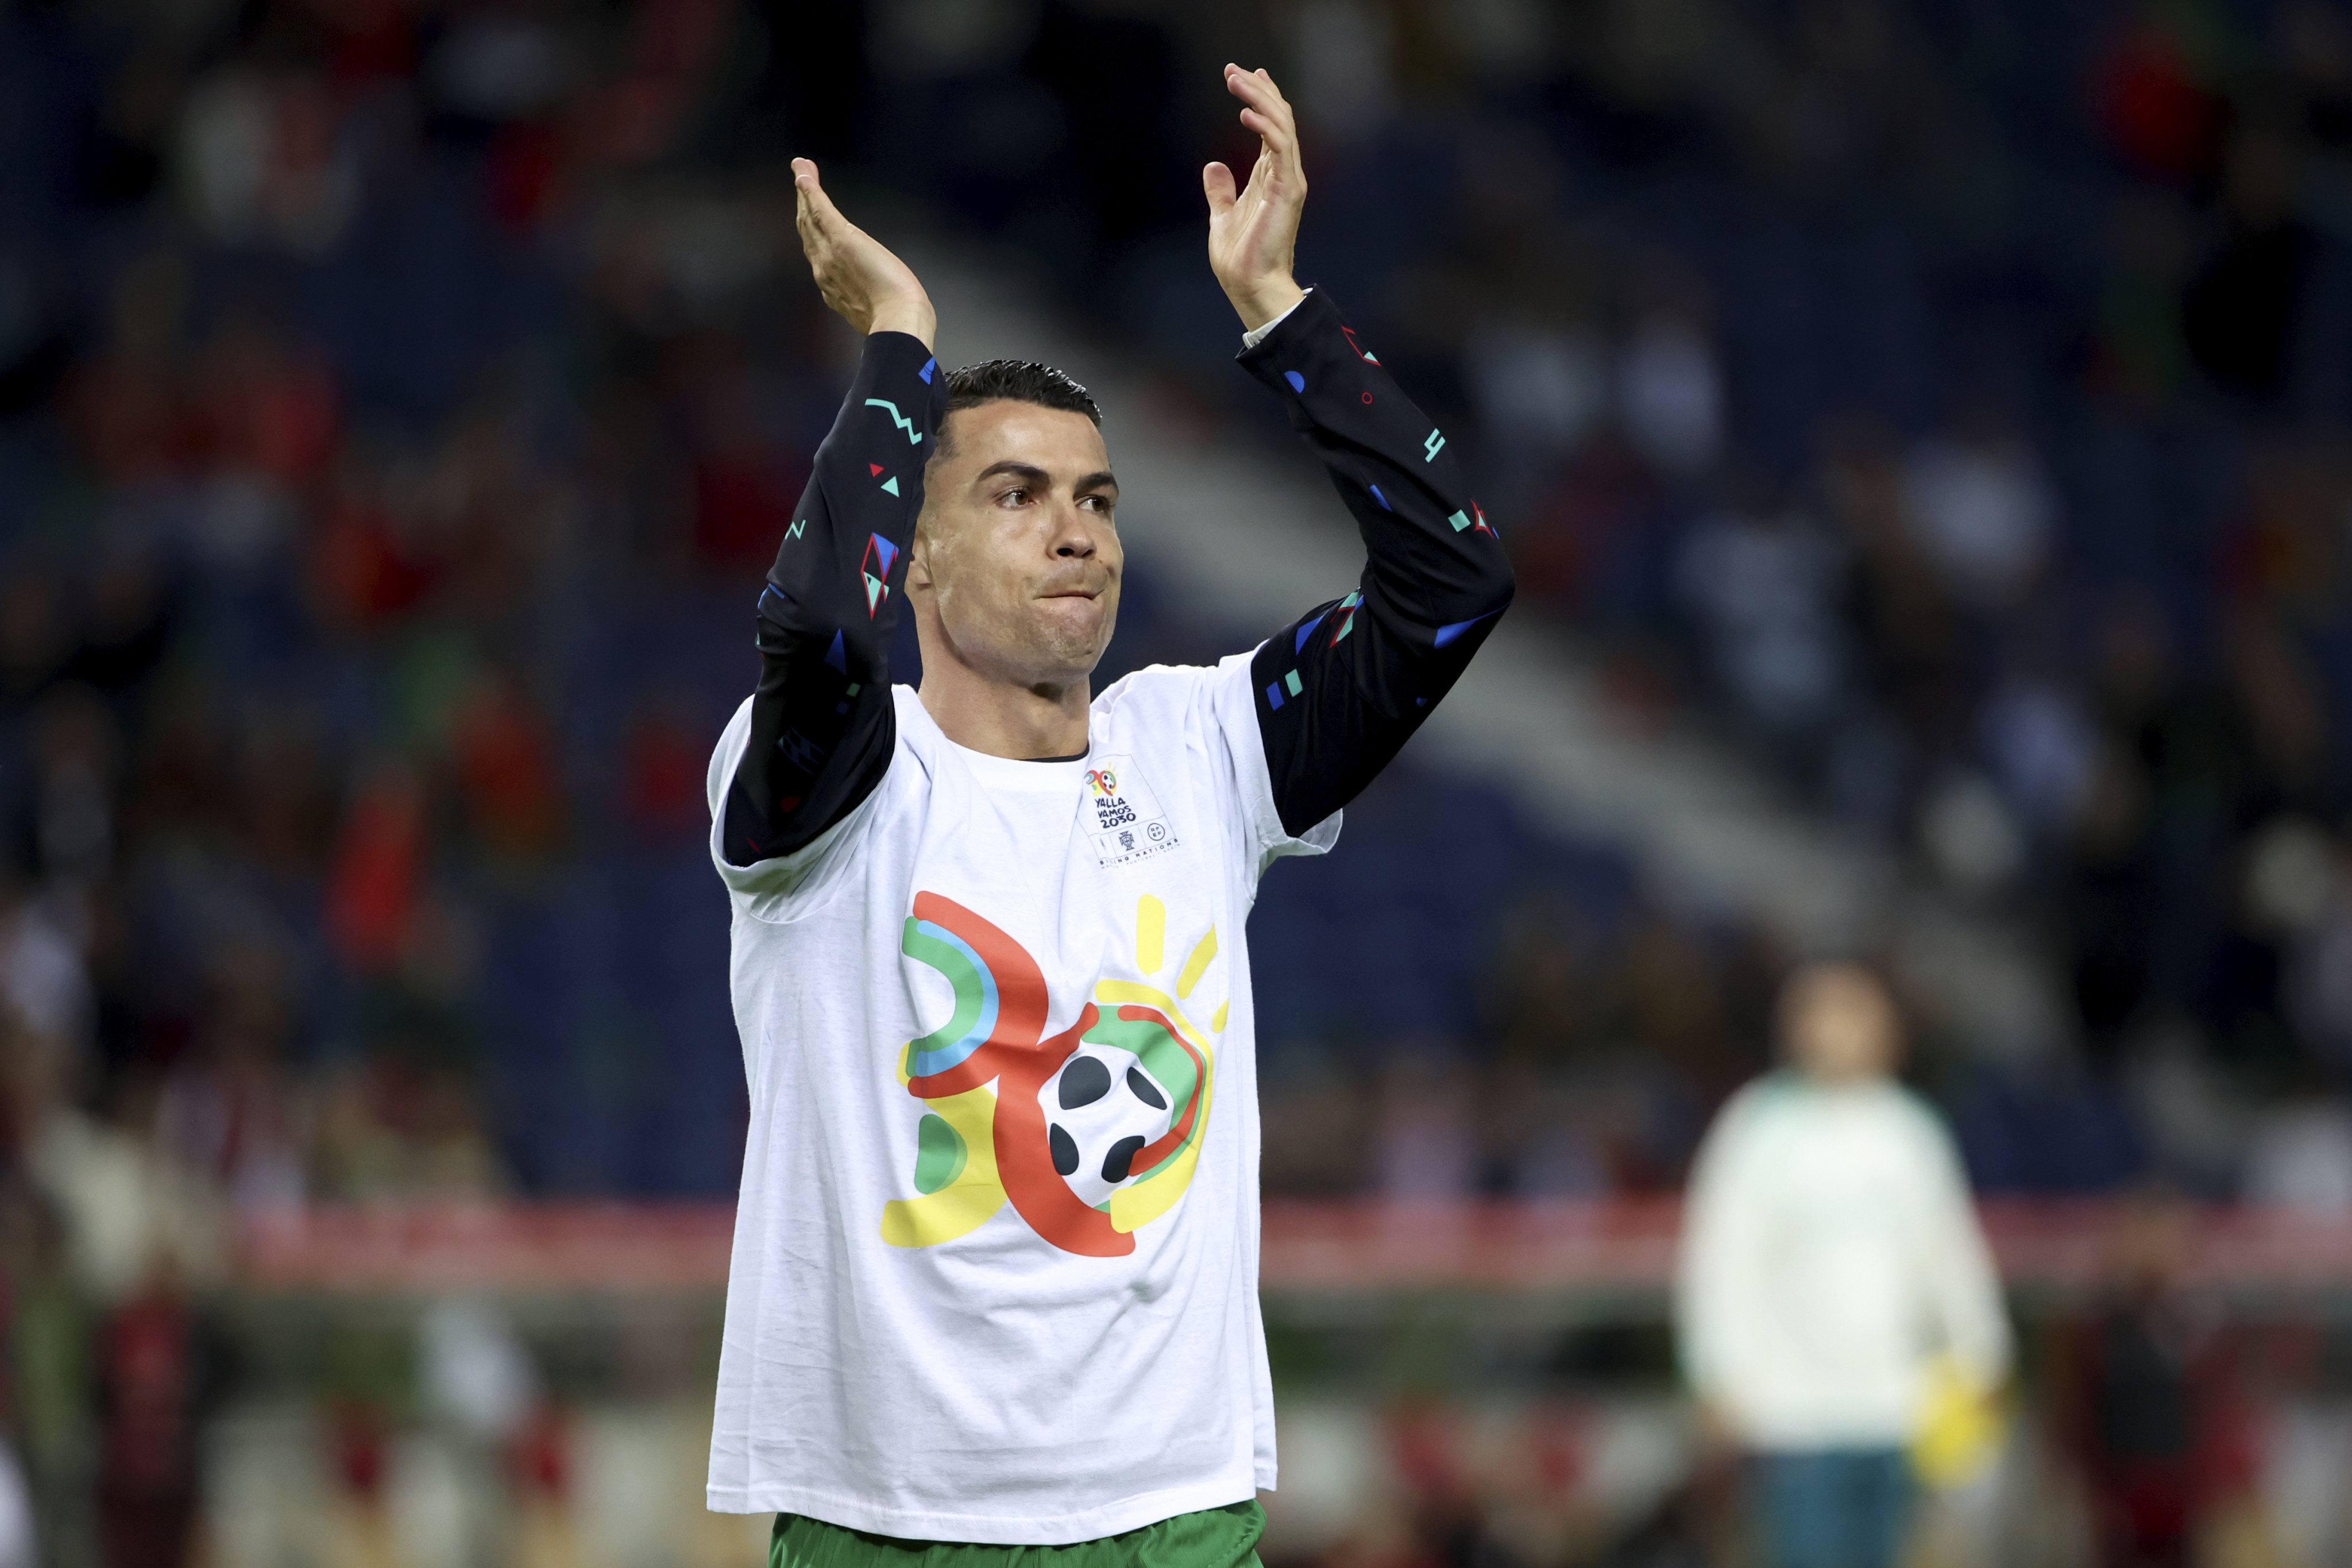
(1672, 394)
(45, 1325)
(1983, 512)
(2148, 1400)
(227, 1109)
(2043, 750)
(132, 1214)
(2319, 975)
(1969, 834)
(472, 1370)
(43, 984)
(2299, 1158)
(1831, 1257)
(1767, 588)
(1905, 626)
(155, 1379)
(1426, 1149)
(19, 1532)
(1538, 388)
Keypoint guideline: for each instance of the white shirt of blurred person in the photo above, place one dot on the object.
(1830, 1256)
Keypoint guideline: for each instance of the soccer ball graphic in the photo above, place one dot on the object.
(1101, 1109)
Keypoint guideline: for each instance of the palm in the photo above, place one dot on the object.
(1253, 231)
(1258, 233)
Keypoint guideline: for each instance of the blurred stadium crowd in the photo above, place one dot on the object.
(1949, 402)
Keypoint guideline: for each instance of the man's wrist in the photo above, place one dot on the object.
(1259, 334)
(1264, 302)
(916, 321)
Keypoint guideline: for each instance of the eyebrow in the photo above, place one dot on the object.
(1100, 480)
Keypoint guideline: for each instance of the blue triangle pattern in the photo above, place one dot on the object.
(1447, 634)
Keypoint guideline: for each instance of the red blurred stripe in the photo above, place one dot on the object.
(1345, 1246)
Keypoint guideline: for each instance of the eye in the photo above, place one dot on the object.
(1015, 496)
(1100, 504)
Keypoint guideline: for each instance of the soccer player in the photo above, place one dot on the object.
(995, 1276)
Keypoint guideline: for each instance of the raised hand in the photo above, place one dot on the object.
(862, 282)
(1253, 234)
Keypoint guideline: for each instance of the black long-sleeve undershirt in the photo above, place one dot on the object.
(1338, 691)
(822, 728)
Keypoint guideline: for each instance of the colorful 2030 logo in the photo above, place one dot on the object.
(1090, 1134)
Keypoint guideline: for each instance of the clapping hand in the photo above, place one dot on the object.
(862, 282)
(1253, 234)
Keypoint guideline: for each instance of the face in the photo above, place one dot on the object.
(1015, 567)
(1839, 1023)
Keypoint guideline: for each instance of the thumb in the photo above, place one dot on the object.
(1217, 184)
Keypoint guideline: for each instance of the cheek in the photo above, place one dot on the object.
(977, 591)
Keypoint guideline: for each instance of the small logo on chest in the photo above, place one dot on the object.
(1122, 817)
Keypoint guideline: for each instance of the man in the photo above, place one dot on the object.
(1830, 1260)
(996, 1263)
(2148, 1399)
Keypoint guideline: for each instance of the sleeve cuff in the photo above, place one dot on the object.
(1256, 335)
(889, 358)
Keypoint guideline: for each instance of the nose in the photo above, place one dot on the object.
(1073, 539)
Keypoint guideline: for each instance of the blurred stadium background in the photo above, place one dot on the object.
(1924, 432)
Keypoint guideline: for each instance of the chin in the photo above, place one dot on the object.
(1068, 661)
(1075, 642)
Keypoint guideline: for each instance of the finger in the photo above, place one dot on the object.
(1278, 123)
(1268, 100)
(822, 212)
(805, 193)
(1267, 76)
(1283, 114)
(1257, 89)
(1277, 137)
(1217, 185)
(1250, 86)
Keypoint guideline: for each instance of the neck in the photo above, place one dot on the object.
(1002, 718)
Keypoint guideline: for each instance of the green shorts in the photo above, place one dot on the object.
(1214, 1537)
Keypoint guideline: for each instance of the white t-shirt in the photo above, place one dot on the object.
(1829, 1250)
(995, 1263)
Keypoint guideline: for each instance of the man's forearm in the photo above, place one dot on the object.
(1341, 690)
(821, 724)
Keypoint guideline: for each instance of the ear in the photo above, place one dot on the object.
(919, 553)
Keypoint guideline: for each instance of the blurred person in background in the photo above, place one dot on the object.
(1832, 1268)
(2149, 1401)
(19, 1241)
(45, 1324)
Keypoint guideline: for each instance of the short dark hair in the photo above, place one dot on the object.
(1018, 381)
